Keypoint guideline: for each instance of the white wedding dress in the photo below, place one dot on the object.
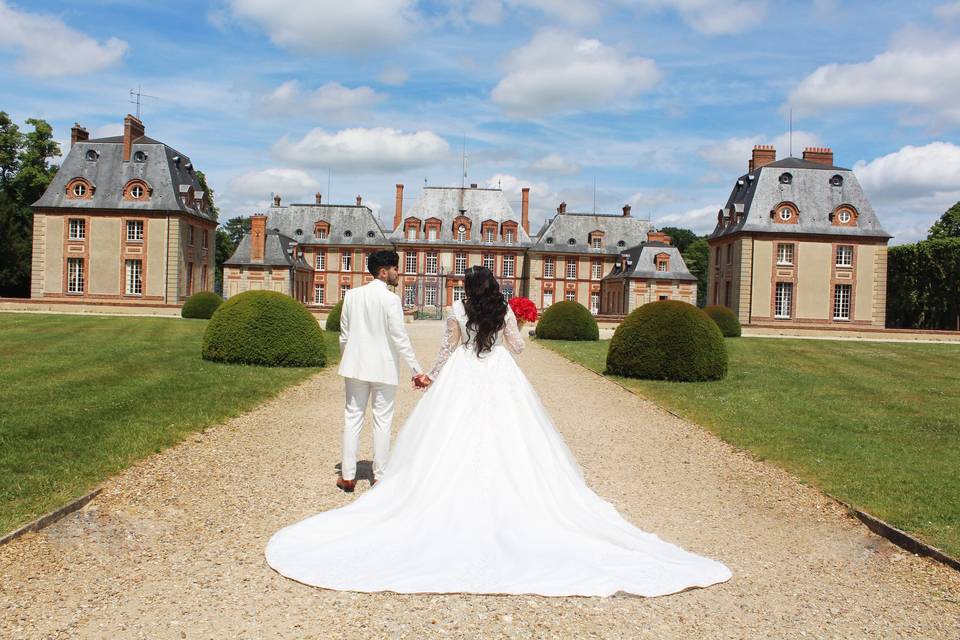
(482, 495)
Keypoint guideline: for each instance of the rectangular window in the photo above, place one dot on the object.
(508, 264)
(346, 260)
(430, 296)
(596, 270)
(318, 293)
(784, 300)
(190, 277)
(409, 295)
(726, 294)
(844, 256)
(570, 296)
(458, 293)
(431, 263)
(548, 265)
(785, 254)
(489, 261)
(190, 234)
(841, 301)
(343, 290)
(134, 277)
(716, 257)
(729, 253)
(78, 229)
(432, 233)
(321, 261)
(509, 236)
(547, 299)
(74, 275)
(460, 264)
(571, 268)
(462, 233)
(206, 242)
(488, 235)
(321, 234)
(596, 242)
(595, 303)
(134, 230)
(411, 262)
(411, 233)
(662, 265)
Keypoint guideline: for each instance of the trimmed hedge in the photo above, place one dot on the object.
(264, 328)
(201, 305)
(333, 318)
(668, 340)
(726, 319)
(567, 320)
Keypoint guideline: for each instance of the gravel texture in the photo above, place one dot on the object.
(173, 547)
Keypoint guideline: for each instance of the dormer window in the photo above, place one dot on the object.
(844, 216)
(549, 239)
(348, 234)
(136, 190)
(571, 241)
(79, 189)
(662, 261)
(461, 233)
(786, 178)
(621, 243)
(596, 242)
(298, 232)
(92, 155)
(836, 181)
(785, 213)
(508, 236)
(140, 156)
(371, 234)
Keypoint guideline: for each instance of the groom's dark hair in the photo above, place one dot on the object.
(381, 259)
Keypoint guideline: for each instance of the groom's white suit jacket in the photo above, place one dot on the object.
(373, 338)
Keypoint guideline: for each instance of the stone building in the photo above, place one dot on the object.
(312, 252)
(653, 270)
(798, 244)
(573, 252)
(124, 221)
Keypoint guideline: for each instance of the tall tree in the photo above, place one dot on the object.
(682, 238)
(697, 258)
(229, 236)
(236, 228)
(10, 142)
(948, 226)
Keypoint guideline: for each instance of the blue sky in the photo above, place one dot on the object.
(658, 102)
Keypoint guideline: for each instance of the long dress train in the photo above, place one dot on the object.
(482, 495)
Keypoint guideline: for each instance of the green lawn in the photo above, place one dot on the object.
(877, 425)
(84, 397)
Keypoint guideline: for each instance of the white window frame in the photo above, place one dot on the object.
(319, 293)
(509, 264)
(410, 262)
(844, 216)
(596, 242)
(489, 261)
(346, 261)
(785, 213)
(75, 275)
(785, 254)
(79, 190)
(321, 261)
(462, 233)
(844, 256)
(321, 234)
(571, 269)
(547, 298)
(136, 192)
(458, 293)
(411, 233)
(596, 270)
(134, 277)
(78, 229)
(508, 236)
(460, 264)
(432, 234)
(783, 302)
(432, 263)
(488, 235)
(570, 296)
(594, 302)
(410, 295)
(842, 294)
(430, 296)
(663, 265)
(135, 230)
(343, 290)
(549, 266)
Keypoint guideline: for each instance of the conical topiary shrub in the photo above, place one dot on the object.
(668, 340)
(201, 305)
(726, 319)
(567, 320)
(264, 328)
(333, 318)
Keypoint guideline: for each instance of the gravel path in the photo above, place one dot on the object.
(173, 548)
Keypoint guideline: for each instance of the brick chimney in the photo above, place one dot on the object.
(359, 200)
(762, 154)
(319, 197)
(132, 131)
(78, 134)
(820, 155)
(276, 200)
(626, 210)
(258, 236)
(658, 236)
(525, 209)
(562, 208)
(398, 210)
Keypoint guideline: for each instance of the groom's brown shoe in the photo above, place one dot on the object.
(346, 485)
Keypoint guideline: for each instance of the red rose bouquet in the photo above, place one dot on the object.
(524, 309)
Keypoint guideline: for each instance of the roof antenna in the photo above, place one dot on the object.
(139, 94)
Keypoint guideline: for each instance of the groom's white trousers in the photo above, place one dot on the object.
(358, 395)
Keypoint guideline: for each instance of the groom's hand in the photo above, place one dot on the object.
(421, 381)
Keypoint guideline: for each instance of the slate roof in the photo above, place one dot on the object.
(556, 233)
(167, 172)
(477, 204)
(641, 263)
(756, 194)
(278, 251)
(358, 220)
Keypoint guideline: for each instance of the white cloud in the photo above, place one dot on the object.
(355, 26)
(558, 72)
(733, 154)
(698, 219)
(294, 185)
(543, 199)
(369, 150)
(108, 130)
(715, 17)
(555, 163)
(393, 76)
(915, 73)
(48, 47)
(332, 101)
(948, 11)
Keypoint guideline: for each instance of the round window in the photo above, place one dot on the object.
(786, 178)
(836, 181)
(136, 192)
(621, 244)
(844, 216)
(79, 189)
(786, 214)
(371, 234)
(550, 240)
(347, 233)
(298, 232)
(139, 156)
(571, 241)
(92, 155)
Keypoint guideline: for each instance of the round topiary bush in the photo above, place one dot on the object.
(726, 319)
(264, 328)
(567, 320)
(668, 340)
(201, 305)
(333, 318)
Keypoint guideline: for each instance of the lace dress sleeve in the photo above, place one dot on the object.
(451, 340)
(511, 333)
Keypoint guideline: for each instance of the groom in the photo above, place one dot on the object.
(373, 340)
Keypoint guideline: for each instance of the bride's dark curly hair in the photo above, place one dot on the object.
(485, 307)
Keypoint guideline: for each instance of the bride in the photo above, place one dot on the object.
(482, 495)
